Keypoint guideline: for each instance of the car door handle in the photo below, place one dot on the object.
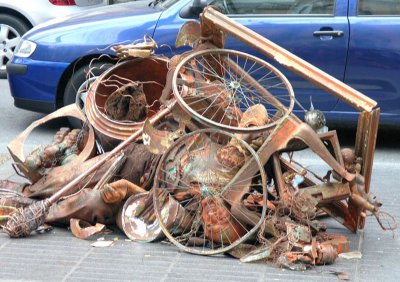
(334, 33)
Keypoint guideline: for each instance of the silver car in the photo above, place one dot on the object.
(18, 16)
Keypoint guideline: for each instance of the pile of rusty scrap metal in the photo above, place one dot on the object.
(200, 149)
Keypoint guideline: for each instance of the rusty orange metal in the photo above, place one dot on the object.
(16, 147)
(111, 132)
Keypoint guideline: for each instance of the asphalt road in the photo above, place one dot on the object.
(14, 120)
(58, 256)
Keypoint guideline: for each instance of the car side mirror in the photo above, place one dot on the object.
(198, 6)
(85, 3)
(193, 10)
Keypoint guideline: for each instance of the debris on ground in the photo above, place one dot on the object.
(102, 244)
(351, 255)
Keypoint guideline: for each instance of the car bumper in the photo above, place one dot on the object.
(34, 84)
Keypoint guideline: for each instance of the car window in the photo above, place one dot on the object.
(163, 4)
(275, 7)
(378, 7)
(119, 1)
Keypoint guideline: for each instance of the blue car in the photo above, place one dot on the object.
(356, 41)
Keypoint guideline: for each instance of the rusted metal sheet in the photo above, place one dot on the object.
(16, 147)
(158, 141)
(142, 49)
(340, 242)
(188, 35)
(327, 192)
(83, 230)
(367, 131)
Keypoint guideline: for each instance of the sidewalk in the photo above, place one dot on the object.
(59, 256)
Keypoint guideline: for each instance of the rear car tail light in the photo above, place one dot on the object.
(63, 2)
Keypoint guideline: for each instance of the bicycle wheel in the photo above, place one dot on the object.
(209, 174)
(218, 86)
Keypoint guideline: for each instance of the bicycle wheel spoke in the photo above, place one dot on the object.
(226, 83)
(213, 227)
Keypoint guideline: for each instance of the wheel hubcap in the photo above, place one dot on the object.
(9, 39)
(236, 91)
(205, 191)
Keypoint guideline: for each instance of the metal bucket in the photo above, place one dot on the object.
(152, 72)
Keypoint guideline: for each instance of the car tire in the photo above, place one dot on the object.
(15, 28)
(78, 79)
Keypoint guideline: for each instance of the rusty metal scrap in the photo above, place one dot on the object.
(66, 146)
(189, 34)
(137, 219)
(84, 230)
(139, 222)
(16, 147)
(111, 132)
(224, 177)
(141, 49)
(117, 191)
(158, 141)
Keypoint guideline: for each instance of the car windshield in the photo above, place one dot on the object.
(163, 4)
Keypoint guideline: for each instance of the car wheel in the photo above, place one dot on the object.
(11, 30)
(80, 81)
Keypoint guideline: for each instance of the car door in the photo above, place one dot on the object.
(374, 54)
(315, 30)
